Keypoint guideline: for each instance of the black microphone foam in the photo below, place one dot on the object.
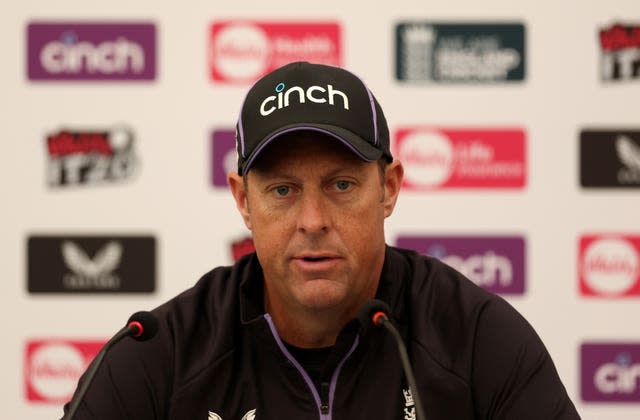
(375, 313)
(145, 324)
(141, 326)
(369, 309)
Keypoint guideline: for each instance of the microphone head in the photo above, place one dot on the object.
(145, 323)
(369, 309)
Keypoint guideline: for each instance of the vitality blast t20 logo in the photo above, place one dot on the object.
(610, 372)
(495, 263)
(620, 45)
(609, 265)
(89, 157)
(52, 367)
(91, 51)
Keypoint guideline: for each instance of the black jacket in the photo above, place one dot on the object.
(217, 355)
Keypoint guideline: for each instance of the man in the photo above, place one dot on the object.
(276, 337)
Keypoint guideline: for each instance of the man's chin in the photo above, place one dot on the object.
(321, 295)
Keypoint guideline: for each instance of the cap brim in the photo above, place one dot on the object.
(361, 148)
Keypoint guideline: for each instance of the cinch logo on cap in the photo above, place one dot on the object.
(610, 372)
(316, 94)
(53, 367)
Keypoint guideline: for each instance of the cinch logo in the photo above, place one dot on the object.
(74, 51)
(495, 263)
(609, 265)
(224, 157)
(53, 367)
(242, 51)
(610, 372)
(314, 94)
(438, 157)
(620, 46)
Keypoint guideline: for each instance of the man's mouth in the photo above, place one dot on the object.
(315, 259)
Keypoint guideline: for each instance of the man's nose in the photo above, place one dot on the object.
(313, 214)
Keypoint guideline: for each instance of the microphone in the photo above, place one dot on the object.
(141, 326)
(374, 313)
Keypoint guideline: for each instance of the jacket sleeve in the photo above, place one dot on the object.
(133, 382)
(513, 375)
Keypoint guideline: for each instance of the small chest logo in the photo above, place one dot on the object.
(250, 415)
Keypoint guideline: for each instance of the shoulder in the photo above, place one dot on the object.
(198, 327)
(448, 311)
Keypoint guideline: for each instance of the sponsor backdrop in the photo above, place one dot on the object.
(516, 122)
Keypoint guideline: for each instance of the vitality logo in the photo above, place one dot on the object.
(609, 265)
(91, 51)
(455, 53)
(620, 52)
(242, 51)
(90, 157)
(610, 159)
(495, 263)
(91, 264)
(441, 157)
(610, 372)
(52, 367)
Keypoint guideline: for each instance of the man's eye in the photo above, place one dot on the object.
(343, 185)
(282, 190)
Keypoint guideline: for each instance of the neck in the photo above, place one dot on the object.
(306, 329)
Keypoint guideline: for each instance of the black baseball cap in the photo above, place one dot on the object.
(315, 97)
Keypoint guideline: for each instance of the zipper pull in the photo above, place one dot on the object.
(324, 397)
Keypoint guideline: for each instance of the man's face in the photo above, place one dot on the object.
(316, 213)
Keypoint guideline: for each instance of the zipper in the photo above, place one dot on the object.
(324, 400)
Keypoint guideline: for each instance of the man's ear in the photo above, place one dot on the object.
(392, 183)
(237, 187)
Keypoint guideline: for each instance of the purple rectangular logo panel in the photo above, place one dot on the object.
(91, 51)
(495, 263)
(610, 372)
(223, 156)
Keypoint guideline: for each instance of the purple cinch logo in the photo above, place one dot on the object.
(610, 372)
(495, 263)
(223, 156)
(91, 51)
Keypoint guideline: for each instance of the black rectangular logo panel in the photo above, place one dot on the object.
(450, 52)
(609, 159)
(91, 264)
